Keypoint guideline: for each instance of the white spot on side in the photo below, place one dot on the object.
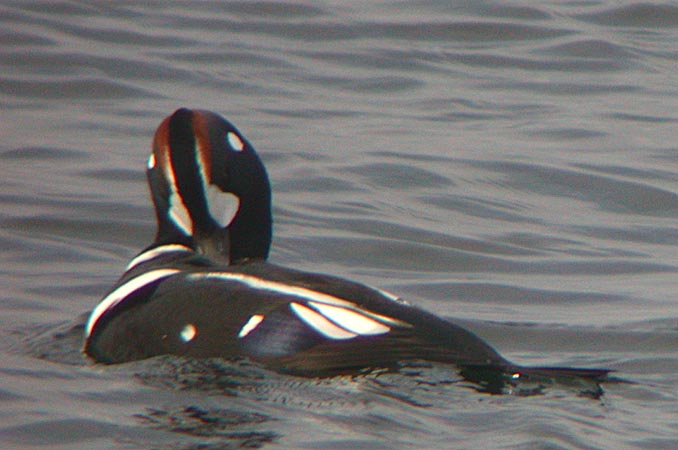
(350, 320)
(151, 161)
(251, 324)
(188, 332)
(154, 253)
(320, 323)
(235, 142)
(121, 292)
(223, 206)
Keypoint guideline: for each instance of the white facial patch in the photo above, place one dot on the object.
(151, 161)
(251, 324)
(223, 206)
(235, 142)
(154, 253)
(188, 332)
(121, 292)
(320, 323)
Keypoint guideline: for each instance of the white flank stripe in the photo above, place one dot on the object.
(154, 253)
(350, 320)
(296, 291)
(251, 324)
(320, 323)
(391, 296)
(122, 292)
(274, 286)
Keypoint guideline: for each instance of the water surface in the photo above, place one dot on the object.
(510, 165)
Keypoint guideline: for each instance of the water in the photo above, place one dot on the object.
(512, 165)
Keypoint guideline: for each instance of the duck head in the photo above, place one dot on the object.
(209, 187)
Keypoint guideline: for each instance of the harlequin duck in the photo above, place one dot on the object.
(204, 288)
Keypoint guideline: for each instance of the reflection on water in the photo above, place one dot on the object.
(511, 166)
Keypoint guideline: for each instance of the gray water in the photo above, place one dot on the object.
(511, 165)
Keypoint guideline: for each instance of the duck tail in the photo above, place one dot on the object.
(497, 379)
(561, 373)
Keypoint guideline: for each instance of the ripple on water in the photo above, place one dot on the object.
(80, 88)
(649, 14)
(608, 193)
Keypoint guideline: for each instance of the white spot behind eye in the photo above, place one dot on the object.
(235, 142)
(251, 324)
(223, 206)
(188, 332)
(151, 161)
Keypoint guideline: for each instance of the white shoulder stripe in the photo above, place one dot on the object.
(350, 320)
(122, 292)
(154, 253)
(320, 323)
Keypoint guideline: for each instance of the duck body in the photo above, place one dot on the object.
(294, 321)
(204, 288)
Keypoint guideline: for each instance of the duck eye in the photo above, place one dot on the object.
(235, 142)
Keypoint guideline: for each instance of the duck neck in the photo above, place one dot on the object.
(250, 232)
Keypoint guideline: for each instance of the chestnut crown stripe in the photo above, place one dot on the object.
(186, 172)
